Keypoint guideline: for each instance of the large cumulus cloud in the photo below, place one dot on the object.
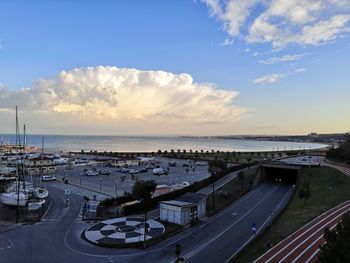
(154, 101)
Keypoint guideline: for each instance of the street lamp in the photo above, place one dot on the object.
(116, 195)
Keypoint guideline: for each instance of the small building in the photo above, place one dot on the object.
(186, 209)
(124, 162)
(39, 165)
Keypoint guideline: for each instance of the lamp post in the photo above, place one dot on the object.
(213, 196)
(116, 195)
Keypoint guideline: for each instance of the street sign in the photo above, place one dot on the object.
(100, 179)
(67, 192)
(254, 228)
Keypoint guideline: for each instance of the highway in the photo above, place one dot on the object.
(217, 240)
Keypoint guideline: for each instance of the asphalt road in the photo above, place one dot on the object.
(57, 239)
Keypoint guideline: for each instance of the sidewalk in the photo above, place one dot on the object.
(345, 169)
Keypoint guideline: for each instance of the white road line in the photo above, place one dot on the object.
(313, 243)
(9, 240)
(312, 256)
(47, 209)
(259, 229)
(193, 252)
(304, 241)
(159, 248)
(303, 227)
(282, 249)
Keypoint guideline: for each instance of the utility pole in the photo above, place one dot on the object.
(116, 195)
(213, 195)
(144, 227)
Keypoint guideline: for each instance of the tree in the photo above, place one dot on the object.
(241, 179)
(342, 153)
(337, 246)
(216, 166)
(144, 189)
(304, 192)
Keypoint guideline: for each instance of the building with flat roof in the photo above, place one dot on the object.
(186, 209)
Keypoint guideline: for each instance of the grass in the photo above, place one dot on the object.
(298, 213)
(230, 192)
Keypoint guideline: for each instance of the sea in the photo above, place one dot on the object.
(65, 143)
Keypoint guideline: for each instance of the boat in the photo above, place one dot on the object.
(35, 205)
(12, 197)
(40, 193)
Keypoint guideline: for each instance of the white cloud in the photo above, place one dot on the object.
(282, 22)
(227, 42)
(284, 58)
(122, 98)
(1, 45)
(270, 78)
(300, 70)
(274, 77)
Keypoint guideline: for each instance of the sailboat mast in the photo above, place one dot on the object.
(24, 137)
(18, 177)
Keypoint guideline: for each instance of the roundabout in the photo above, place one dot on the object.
(123, 232)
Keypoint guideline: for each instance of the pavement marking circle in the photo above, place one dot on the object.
(123, 230)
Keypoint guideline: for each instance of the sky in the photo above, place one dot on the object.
(205, 67)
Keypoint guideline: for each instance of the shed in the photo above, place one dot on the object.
(184, 210)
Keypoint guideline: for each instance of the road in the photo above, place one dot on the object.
(303, 245)
(154, 214)
(57, 239)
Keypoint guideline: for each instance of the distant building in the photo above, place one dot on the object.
(39, 165)
(123, 162)
(186, 209)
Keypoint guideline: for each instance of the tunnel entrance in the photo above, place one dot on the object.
(286, 174)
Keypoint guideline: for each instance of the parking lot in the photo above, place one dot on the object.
(120, 182)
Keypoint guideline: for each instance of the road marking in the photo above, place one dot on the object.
(312, 256)
(267, 220)
(303, 227)
(278, 252)
(193, 252)
(47, 209)
(10, 243)
(167, 245)
(313, 243)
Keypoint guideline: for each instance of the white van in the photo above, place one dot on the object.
(48, 178)
(159, 171)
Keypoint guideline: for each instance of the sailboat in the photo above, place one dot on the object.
(18, 196)
(12, 197)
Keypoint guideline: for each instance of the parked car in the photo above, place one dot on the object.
(159, 171)
(48, 178)
(91, 173)
(133, 171)
(105, 172)
(124, 170)
(172, 163)
(143, 171)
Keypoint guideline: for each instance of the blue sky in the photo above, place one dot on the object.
(283, 81)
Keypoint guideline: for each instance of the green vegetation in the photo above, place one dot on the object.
(143, 190)
(304, 191)
(337, 248)
(328, 188)
(342, 153)
(201, 155)
(230, 192)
